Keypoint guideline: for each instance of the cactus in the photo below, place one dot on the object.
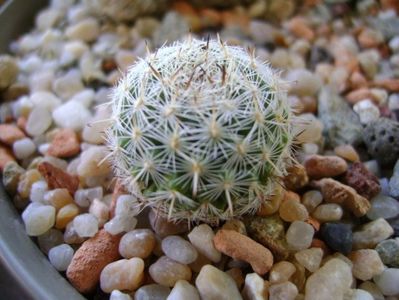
(126, 10)
(200, 131)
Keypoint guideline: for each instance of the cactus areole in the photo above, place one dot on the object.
(200, 131)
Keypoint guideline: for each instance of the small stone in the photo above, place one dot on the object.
(8, 71)
(10, 134)
(152, 291)
(124, 59)
(366, 264)
(84, 197)
(24, 148)
(117, 295)
(60, 257)
(273, 202)
(388, 251)
(237, 276)
(255, 287)
(45, 100)
(178, 249)
(296, 178)
(100, 210)
(270, 232)
(86, 225)
(286, 290)
(50, 239)
(65, 143)
(183, 290)
(215, 284)
(357, 294)
(72, 115)
(11, 175)
(91, 258)
(123, 274)
(38, 218)
(383, 207)
(371, 234)
(299, 235)
(304, 82)
(318, 166)
(202, 237)
(119, 224)
(90, 162)
(70, 235)
(336, 192)
(65, 215)
(387, 281)
(330, 281)
(57, 178)
(236, 225)
(26, 181)
(163, 227)
(311, 199)
(167, 272)
(328, 213)
(310, 258)
(372, 289)
(362, 180)
(137, 243)
(243, 248)
(367, 111)
(86, 30)
(299, 27)
(337, 236)
(341, 123)
(39, 121)
(292, 210)
(37, 191)
(380, 139)
(281, 272)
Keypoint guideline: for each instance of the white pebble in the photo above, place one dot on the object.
(38, 218)
(92, 162)
(84, 97)
(86, 30)
(118, 295)
(394, 44)
(71, 115)
(23, 148)
(120, 224)
(178, 249)
(37, 191)
(303, 82)
(43, 148)
(126, 205)
(45, 99)
(84, 197)
(202, 238)
(388, 281)
(61, 256)
(254, 287)
(308, 129)
(183, 290)
(367, 111)
(86, 225)
(39, 121)
(393, 102)
(68, 85)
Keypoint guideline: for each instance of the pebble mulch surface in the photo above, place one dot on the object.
(332, 234)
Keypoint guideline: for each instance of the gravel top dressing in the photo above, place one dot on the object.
(153, 155)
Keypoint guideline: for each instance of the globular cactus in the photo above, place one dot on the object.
(201, 131)
(126, 10)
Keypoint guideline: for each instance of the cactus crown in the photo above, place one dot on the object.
(201, 131)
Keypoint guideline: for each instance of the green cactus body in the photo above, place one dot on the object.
(201, 131)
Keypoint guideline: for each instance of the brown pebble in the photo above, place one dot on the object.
(317, 243)
(357, 80)
(366, 39)
(163, 227)
(241, 247)
(296, 178)
(10, 133)
(64, 144)
(57, 178)
(359, 94)
(14, 91)
(390, 4)
(90, 259)
(5, 157)
(237, 275)
(347, 152)
(21, 123)
(336, 192)
(362, 180)
(315, 224)
(210, 17)
(392, 85)
(300, 28)
(318, 166)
